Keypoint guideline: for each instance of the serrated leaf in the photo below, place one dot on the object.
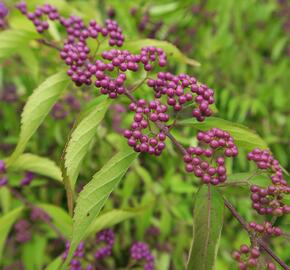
(60, 218)
(80, 140)
(171, 50)
(244, 137)
(207, 226)
(112, 218)
(40, 165)
(37, 108)
(94, 195)
(6, 222)
(13, 41)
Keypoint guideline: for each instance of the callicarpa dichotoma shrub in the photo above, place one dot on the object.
(140, 82)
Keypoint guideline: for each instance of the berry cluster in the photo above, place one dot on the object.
(266, 228)
(180, 90)
(150, 54)
(123, 60)
(27, 179)
(265, 161)
(9, 94)
(3, 177)
(23, 231)
(40, 15)
(248, 258)
(269, 200)
(62, 108)
(140, 252)
(106, 236)
(76, 262)
(199, 159)
(37, 214)
(146, 112)
(3, 14)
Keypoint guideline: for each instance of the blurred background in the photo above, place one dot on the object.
(243, 47)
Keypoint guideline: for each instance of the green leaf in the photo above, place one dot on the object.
(13, 41)
(60, 218)
(94, 195)
(112, 218)
(37, 108)
(6, 223)
(55, 264)
(40, 165)
(207, 226)
(30, 60)
(163, 9)
(244, 137)
(171, 50)
(80, 140)
(33, 252)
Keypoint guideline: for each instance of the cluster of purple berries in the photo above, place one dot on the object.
(40, 15)
(75, 52)
(150, 54)
(76, 262)
(9, 94)
(67, 105)
(37, 214)
(146, 112)
(23, 231)
(27, 179)
(266, 228)
(248, 258)
(3, 14)
(265, 161)
(180, 90)
(108, 238)
(221, 145)
(268, 200)
(3, 177)
(140, 252)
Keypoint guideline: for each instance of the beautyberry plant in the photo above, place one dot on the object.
(155, 100)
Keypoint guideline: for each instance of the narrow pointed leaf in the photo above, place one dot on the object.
(6, 222)
(40, 165)
(37, 108)
(207, 226)
(112, 218)
(80, 140)
(13, 41)
(94, 195)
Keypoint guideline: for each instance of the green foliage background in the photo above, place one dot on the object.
(243, 50)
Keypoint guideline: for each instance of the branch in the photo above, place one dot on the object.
(234, 212)
(49, 44)
(261, 243)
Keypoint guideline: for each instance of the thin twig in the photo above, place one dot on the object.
(49, 44)
(261, 243)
